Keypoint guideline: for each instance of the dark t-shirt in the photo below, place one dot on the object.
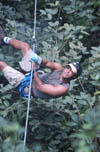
(52, 78)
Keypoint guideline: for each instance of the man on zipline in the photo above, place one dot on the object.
(44, 85)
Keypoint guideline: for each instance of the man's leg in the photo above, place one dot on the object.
(2, 65)
(22, 46)
(25, 49)
(13, 76)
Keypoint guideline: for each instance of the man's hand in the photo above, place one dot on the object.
(35, 67)
(37, 59)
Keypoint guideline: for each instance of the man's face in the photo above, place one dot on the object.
(67, 73)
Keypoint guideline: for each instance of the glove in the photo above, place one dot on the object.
(37, 59)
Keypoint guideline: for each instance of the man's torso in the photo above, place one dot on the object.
(52, 78)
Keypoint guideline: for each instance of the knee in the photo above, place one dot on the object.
(25, 46)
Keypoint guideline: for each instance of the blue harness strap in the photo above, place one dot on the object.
(24, 83)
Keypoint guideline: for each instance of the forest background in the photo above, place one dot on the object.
(67, 30)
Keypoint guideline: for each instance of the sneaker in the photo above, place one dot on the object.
(2, 35)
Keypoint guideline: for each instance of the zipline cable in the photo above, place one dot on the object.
(29, 94)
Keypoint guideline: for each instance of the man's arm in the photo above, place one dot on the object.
(48, 64)
(51, 65)
(49, 89)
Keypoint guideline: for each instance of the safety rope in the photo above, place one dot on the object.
(29, 94)
(35, 19)
(34, 35)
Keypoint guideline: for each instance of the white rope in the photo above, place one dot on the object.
(35, 19)
(29, 95)
(28, 106)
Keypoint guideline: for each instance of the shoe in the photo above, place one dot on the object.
(2, 35)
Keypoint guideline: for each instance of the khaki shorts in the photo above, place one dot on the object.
(25, 64)
(15, 77)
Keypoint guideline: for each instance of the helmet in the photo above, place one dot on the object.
(76, 68)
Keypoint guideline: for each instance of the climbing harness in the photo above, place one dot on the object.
(31, 75)
(25, 83)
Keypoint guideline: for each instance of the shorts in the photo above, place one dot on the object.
(25, 64)
(15, 77)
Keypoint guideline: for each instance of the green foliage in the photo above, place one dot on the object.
(66, 31)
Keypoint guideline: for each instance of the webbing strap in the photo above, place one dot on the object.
(29, 95)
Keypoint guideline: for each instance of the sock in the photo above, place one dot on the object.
(6, 40)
